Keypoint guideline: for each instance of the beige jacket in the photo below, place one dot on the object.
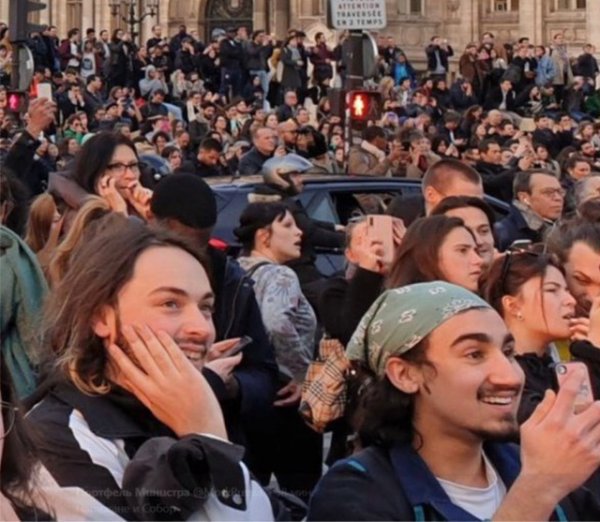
(367, 160)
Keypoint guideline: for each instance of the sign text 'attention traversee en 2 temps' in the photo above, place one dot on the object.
(358, 14)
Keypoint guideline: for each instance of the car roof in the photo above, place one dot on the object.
(312, 179)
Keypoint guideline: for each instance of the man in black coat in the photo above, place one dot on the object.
(264, 141)
(438, 52)
(231, 53)
(186, 204)
(502, 97)
(538, 204)
(207, 160)
(497, 180)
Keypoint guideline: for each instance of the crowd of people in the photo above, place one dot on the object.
(149, 373)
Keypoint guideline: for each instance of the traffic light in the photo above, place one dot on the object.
(363, 106)
(17, 101)
(19, 28)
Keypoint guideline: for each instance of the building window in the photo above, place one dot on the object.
(410, 7)
(317, 8)
(568, 5)
(74, 13)
(503, 6)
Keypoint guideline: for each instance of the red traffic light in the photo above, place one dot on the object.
(364, 105)
(16, 101)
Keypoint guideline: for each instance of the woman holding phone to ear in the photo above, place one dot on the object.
(270, 238)
(108, 166)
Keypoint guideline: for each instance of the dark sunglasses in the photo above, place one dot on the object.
(519, 248)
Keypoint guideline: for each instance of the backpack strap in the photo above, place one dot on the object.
(250, 273)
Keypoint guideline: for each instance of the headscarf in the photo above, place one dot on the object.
(401, 318)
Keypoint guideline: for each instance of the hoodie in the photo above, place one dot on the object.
(148, 85)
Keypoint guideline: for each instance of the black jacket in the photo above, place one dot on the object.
(540, 376)
(21, 160)
(252, 162)
(514, 227)
(494, 99)
(256, 56)
(587, 65)
(443, 53)
(231, 54)
(237, 314)
(554, 141)
(187, 61)
(497, 180)
(343, 302)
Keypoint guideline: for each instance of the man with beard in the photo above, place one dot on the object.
(129, 427)
(443, 400)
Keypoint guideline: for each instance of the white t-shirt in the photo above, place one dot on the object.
(480, 502)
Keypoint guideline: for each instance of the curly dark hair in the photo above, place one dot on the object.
(384, 415)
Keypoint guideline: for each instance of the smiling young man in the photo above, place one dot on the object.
(434, 419)
(128, 425)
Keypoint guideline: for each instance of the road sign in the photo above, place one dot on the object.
(357, 14)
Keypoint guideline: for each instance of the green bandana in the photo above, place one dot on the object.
(401, 318)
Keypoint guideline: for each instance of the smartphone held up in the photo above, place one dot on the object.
(380, 229)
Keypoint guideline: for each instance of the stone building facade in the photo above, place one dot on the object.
(411, 22)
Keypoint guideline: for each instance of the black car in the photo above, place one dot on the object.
(333, 199)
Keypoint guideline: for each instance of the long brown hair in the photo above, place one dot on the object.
(39, 221)
(100, 267)
(94, 208)
(417, 258)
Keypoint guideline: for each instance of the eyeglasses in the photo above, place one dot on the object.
(8, 417)
(551, 192)
(120, 168)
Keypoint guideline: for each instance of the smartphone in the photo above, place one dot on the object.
(44, 90)
(585, 396)
(379, 228)
(520, 245)
(243, 342)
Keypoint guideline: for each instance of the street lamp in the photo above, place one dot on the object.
(151, 9)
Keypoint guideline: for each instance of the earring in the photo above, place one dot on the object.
(520, 316)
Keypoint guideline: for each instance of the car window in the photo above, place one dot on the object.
(320, 207)
(350, 204)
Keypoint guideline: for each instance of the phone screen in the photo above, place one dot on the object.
(379, 228)
(243, 342)
(44, 90)
(585, 395)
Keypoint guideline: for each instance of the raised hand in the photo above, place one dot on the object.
(107, 188)
(157, 372)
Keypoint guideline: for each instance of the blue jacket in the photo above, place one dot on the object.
(377, 484)
(545, 71)
(514, 227)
